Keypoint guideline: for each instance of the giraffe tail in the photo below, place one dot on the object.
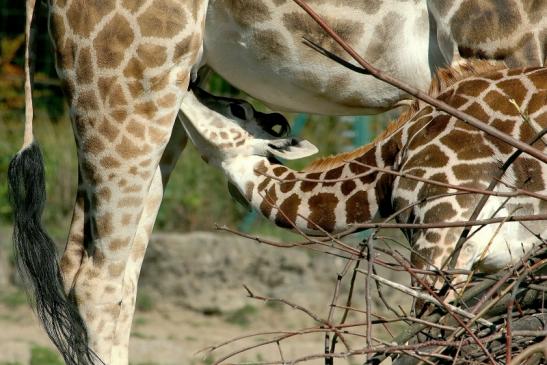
(35, 251)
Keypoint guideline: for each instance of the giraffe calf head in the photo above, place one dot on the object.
(223, 129)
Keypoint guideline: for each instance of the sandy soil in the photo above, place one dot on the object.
(171, 335)
(186, 276)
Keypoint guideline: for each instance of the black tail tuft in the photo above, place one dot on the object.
(37, 260)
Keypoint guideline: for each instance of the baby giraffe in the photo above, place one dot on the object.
(338, 192)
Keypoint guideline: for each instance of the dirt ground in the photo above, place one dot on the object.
(191, 297)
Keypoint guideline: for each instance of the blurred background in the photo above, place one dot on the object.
(191, 285)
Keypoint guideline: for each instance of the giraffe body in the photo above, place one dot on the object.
(336, 193)
(257, 46)
(125, 66)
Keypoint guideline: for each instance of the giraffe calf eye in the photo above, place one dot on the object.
(237, 111)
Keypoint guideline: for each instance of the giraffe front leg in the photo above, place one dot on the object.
(168, 161)
(74, 251)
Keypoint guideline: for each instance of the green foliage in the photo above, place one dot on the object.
(208, 360)
(13, 298)
(243, 316)
(42, 355)
(145, 302)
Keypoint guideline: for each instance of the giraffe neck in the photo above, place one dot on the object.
(323, 200)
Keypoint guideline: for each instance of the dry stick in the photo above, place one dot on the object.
(419, 94)
(302, 309)
(378, 349)
(501, 295)
(447, 307)
(424, 296)
(350, 294)
(368, 299)
(259, 239)
(329, 360)
(523, 356)
(413, 330)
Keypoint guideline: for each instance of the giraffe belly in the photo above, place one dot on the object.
(270, 63)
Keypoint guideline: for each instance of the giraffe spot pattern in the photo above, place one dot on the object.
(247, 13)
(429, 190)
(431, 156)
(467, 146)
(268, 201)
(113, 41)
(322, 206)
(357, 208)
(500, 103)
(441, 212)
(163, 18)
(286, 215)
(83, 15)
(300, 24)
(384, 38)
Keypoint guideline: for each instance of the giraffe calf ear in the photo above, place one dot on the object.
(291, 148)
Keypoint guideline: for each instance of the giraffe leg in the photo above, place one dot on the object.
(74, 251)
(125, 68)
(161, 177)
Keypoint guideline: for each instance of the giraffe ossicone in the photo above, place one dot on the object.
(336, 193)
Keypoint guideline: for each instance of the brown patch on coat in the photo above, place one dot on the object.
(286, 215)
(288, 184)
(133, 5)
(246, 13)
(269, 44)
(84, 15)
(84, 67)
(307, 186)
(528, 174)
(475, 172)
(322, 208)
(514, 89)
(477, 22)
(429, 190)
(103, 224)
(537, 101)
(468, 146)
(109, 162)
(112, 42)
(108, 130)
(93, 145)
(357, 208)
(431, 156)
(129, 149)
(152, 55)
(499, 102)
(347, 187)
(164, 19)
(268, 202)
(441, 212)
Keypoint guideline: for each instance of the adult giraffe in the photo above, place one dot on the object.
(125, 67)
